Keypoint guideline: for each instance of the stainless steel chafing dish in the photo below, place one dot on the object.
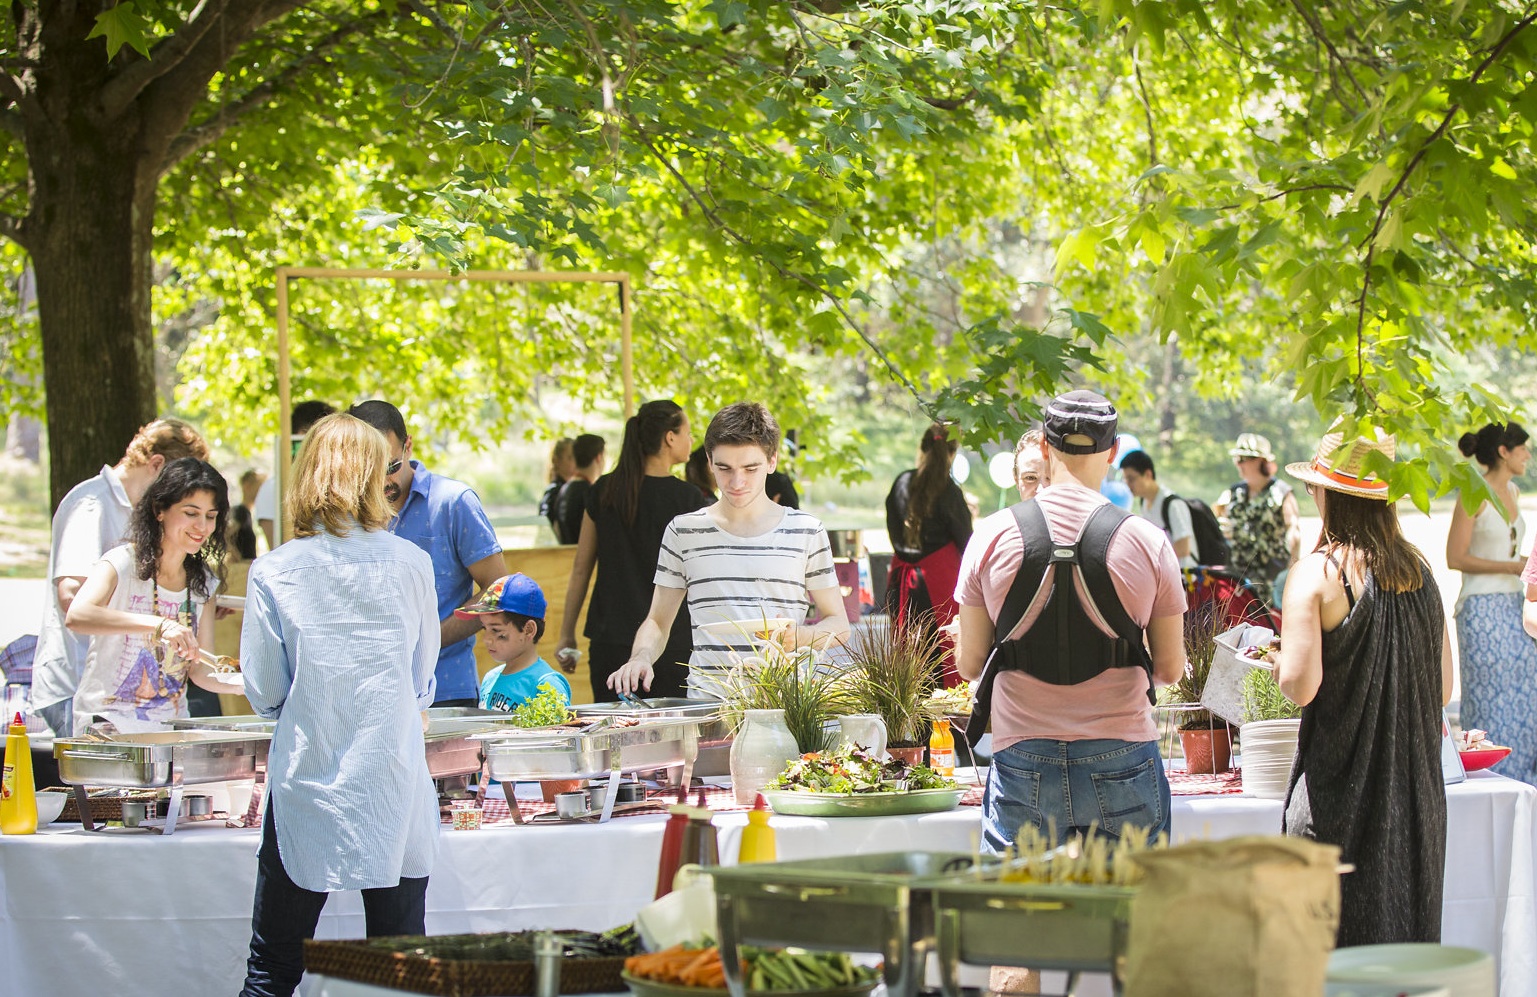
(859, 903)
(982, 921)
(451, 746)
(173, 759)
(714, 733)
(514, 754)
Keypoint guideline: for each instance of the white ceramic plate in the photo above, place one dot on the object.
(229, 601)
(748, 628)
(234, 680)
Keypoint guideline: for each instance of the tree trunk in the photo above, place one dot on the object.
(90, 230)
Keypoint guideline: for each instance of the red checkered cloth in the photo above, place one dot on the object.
(1188, 784)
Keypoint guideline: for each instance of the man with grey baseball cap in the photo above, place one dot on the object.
(1071, 611)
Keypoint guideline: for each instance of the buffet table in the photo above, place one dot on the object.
(144, 914)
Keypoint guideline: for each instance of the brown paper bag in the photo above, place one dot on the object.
(1245, 917)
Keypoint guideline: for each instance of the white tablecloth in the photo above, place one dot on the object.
(142, 914)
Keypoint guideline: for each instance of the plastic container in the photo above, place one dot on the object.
(942, 748)
(18, 802)
(758, 836)
(672, 848)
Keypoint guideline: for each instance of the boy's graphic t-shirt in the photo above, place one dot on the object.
(499, 691)
(129, 678)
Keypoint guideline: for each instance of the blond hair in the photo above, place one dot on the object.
(169, 438)
(339, 479)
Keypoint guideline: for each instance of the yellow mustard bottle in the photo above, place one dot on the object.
(18, 797)
(942, 748)
(758, 835)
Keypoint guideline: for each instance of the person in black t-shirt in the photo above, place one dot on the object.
(621, 530)
(587, 453)
(929, 524)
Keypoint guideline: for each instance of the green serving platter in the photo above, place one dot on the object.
(914, 801)
(652, 988)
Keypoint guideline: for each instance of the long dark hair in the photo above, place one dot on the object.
(180, 479)
(1365, 532)
(644, 434)
(1484, 445)
(936, 452)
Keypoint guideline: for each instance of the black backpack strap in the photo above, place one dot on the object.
(1035, 562)
(1094, 549)
(1163, 510)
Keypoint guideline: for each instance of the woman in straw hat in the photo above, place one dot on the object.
(1367, 656)
(1499, 661)
(1259, 515)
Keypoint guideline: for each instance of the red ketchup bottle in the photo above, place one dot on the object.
(672, 848)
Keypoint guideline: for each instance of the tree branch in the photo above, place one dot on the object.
(125, 87)
(1317, 28)
(436, 20)
(1288, 192)
(1147, 110)
(206, 133)
(10, 122)
(1452, 111)
(10, 228)
(10, 89)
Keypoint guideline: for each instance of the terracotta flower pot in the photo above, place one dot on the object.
(1208, 750)
(911, 754)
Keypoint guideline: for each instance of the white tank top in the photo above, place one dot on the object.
(1492, 540)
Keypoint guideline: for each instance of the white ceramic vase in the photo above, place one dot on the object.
(763, 748)
(867, 730)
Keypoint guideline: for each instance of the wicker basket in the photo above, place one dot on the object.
(369, 962)
(103, 808)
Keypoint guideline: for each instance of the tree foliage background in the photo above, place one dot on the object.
(975, 202)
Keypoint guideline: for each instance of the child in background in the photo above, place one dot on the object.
(514, 608)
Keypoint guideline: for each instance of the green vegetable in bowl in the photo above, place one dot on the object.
(850, 769)
(546, 709)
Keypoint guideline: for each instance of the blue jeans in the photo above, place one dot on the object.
(1071, 785)
(286, 914)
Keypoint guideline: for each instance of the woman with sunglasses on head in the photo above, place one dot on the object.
(144, 604)
(624, 517)
(1366, 654)
(1498, 660)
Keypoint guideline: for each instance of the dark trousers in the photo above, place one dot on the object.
(670, 678)
(286, 914)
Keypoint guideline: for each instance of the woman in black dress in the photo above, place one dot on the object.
(1367, 656)
(929, 525)
(621, 535)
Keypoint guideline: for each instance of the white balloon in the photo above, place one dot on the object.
(961, 469)
(1127, 443)
(1001, 469)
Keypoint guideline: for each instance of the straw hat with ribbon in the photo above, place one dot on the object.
(1340, 466)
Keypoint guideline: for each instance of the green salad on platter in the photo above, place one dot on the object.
(849, 769)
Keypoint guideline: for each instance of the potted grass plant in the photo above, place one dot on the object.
(1206, 739)
(891, 673)
(1271, 723)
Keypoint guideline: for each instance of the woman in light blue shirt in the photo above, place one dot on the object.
(339, 643)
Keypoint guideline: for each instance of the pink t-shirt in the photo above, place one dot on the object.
(1529, 573)
(1113, 704)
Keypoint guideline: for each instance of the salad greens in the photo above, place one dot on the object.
(849, 769)
(546, 709)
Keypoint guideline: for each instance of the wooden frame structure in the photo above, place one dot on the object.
(286, 274)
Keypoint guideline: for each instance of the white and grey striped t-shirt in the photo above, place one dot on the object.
(728, 577)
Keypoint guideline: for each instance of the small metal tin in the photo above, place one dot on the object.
(196, 805)
(629, 792)
(571, 804)
(134, 812)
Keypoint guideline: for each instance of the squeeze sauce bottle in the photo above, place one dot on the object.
(18, 799)
(758, 836)
(942, 748)
(672, 848)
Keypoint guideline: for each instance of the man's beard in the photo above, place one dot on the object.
(391, 492)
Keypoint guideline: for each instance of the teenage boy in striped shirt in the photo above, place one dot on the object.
(745, 558)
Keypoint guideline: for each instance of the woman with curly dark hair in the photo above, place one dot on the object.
(143, 604)
(929, 525)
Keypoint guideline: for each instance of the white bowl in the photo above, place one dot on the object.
(1463, 972)
(744, 629)
(49, 806)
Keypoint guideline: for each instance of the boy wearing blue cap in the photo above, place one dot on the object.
(513, 608)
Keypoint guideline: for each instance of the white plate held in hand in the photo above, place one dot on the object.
(747, 629)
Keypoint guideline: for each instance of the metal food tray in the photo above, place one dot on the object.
(800, 803)
(536, 755)
(981, 920)
(854, 903)
(452, 749)
(174, 759)
(712, 727)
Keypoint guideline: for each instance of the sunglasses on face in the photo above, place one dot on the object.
(394, 465)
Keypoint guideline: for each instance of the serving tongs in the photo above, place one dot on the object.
(632, 701)
(222, 664)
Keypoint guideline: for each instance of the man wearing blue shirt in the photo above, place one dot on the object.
(444, 518)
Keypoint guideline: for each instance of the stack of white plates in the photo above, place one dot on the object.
(1268, 748)
(1462, 972)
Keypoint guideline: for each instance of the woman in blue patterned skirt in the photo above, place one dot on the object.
(1499, 661)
